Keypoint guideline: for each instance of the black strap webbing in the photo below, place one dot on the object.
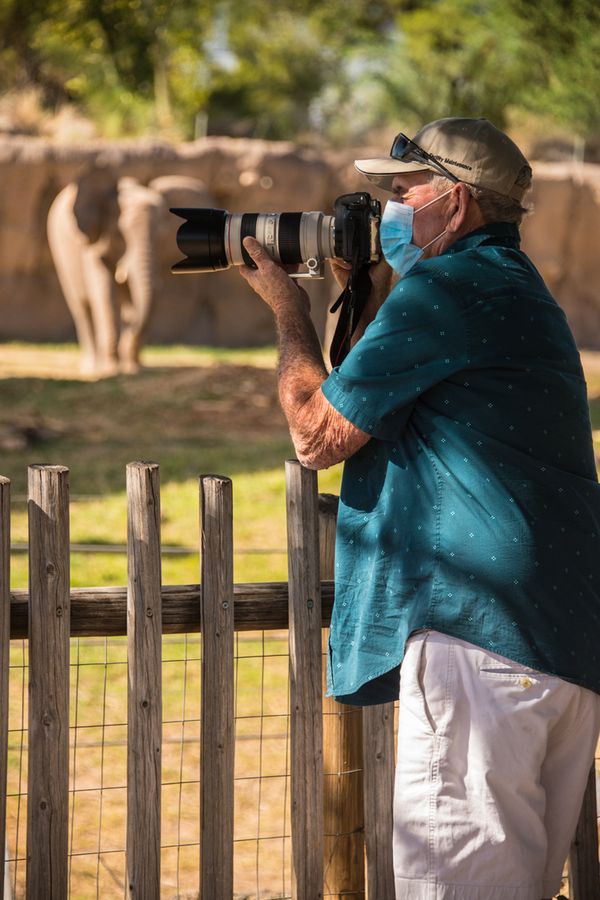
(353, 300)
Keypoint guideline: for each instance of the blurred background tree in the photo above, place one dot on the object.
(336, 71)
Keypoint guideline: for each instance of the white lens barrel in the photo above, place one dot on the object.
(315, 238)
(267, 233)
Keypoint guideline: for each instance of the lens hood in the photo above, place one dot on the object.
(201, 239)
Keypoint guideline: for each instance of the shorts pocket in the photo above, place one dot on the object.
(415, 684)
(517, 674)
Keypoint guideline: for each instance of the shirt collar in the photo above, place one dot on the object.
(505, 234)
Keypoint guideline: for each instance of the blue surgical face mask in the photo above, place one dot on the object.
(396, 231)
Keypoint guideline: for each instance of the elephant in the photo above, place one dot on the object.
(102, 233)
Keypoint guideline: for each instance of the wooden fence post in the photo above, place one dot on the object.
(4, 656)
(144, 698)
(379, 771)
(305, 682)
(217, 703)
(344, 846)
(584, 873)
(49, 626)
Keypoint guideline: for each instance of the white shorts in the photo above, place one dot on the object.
(493, 760)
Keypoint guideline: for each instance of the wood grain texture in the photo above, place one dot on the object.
(306, 706)
(379, 772)
(102, 611)
(48, 767)
(344, 845)
(584, 874)
(217, 736)
(4, 654)
(144, 699)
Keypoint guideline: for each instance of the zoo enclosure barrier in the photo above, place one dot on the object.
(341, 826)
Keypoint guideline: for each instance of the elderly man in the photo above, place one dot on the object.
(467, 574)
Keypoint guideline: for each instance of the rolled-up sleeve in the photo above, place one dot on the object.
(417, 340)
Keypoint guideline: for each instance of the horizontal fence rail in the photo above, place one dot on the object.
(102, 611)
(341, 758)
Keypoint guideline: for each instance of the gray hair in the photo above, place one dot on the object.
(494, 207)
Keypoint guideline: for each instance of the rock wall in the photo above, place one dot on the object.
(562, 236)
(216, 308)
(252, 176)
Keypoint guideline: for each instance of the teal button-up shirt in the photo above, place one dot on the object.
(475, 508)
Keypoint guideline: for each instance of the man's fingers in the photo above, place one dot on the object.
(266, 274)
(252, 245)
(341, 271)
(255, 250)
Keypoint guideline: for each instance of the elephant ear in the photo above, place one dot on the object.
(95, 208)
(182, 190)
(177, 191)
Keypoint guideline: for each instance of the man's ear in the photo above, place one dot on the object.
(461, 198)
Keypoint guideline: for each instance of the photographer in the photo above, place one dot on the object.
(467, 572)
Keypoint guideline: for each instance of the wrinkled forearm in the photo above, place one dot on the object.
(322, 437)
(301, 370)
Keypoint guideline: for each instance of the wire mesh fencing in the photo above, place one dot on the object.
(98, 767)
(160, 741)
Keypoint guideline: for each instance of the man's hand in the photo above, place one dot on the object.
(341, 271)
(271, 281)
(380, 274)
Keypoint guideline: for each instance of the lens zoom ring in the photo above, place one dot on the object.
(289, 238)
(248, 229)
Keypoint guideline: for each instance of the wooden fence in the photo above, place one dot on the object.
(341, 826)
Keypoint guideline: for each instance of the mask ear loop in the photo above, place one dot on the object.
(429, 203)
(435, 200)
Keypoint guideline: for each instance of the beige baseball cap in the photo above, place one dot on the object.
(473, 150)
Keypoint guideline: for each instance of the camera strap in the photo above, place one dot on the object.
(352, 300)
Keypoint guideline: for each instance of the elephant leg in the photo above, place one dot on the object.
(79, 308)
(100, 289)
(139, 207)
(67, 259)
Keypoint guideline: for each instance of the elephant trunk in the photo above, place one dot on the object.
(137, 268)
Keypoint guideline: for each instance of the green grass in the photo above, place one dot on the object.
(194, 411)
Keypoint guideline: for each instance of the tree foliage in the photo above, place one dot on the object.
(340, 68)
(561, 40)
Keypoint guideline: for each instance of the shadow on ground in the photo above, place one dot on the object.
(221, 418)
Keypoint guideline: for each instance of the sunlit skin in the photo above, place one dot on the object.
(321, 435)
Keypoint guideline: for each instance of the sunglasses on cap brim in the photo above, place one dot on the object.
(404, 149)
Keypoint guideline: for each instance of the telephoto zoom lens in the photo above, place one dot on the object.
(211, 239)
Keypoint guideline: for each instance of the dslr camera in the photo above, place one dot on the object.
(211, 239)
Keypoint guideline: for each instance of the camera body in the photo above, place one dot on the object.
(212, 239)
(356, 228)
